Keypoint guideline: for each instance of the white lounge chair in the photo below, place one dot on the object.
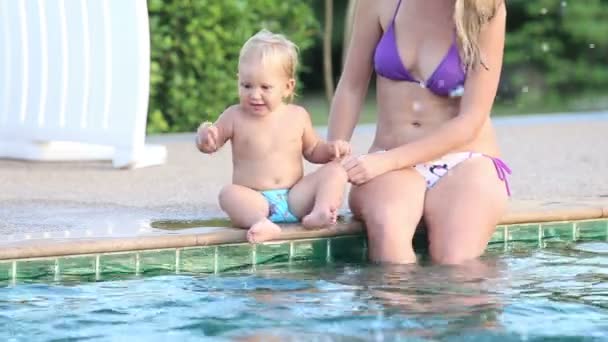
(74, 81)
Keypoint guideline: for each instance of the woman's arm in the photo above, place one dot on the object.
(475, 106)
(352, 87)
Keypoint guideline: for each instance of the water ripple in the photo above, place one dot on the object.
(523, 295)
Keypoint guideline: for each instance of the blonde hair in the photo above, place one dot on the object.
(272, 46)
(469, 17)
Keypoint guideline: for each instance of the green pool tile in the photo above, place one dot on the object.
(234, 257)
(156, 262)
(5, 270)
(348, 248)
(592, 230)
(242, 257)
(77, 268)
(522, 245)
(558, 231)
(556, 243)
(36, 270)
(269, 253)
(498, 236)
(522, 232)
(321, 250)
(494, 248)
(5, 274)
(112, 265)
(197, 260)
(300, 250)
(309, 250)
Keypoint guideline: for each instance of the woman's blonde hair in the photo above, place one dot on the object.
(272, 47)
(470, 16)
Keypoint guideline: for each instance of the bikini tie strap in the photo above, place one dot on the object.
(502, 170)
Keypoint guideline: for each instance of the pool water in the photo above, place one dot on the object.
(556, 293)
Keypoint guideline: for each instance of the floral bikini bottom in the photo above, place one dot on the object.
(433, 171)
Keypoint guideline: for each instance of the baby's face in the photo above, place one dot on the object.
(263, 86)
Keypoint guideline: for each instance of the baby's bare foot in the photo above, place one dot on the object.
(320, 218)
(263, 230)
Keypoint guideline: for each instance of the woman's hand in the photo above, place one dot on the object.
(363, 168)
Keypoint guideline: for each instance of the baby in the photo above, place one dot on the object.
(269, 137)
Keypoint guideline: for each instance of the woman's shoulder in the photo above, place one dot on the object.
(500, 11)
(375, 10)
(375, 16)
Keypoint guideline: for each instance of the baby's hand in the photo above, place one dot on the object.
(207, 137)
(339, 149)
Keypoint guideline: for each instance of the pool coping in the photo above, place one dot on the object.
(520, 212)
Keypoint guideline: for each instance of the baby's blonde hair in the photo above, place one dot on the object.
(272, 46)
(470, 16)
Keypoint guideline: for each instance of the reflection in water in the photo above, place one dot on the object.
(404, 301)
(187, 224)
(209, 223)
(517, 295)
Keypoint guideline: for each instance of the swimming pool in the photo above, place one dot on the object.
(551, 286)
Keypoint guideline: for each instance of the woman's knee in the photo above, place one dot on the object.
(397, 213)
(387, 221)
(381, 218)
(390, 236)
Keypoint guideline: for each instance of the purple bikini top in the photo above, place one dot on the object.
(447, 79)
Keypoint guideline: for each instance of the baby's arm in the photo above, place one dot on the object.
(210, 137)
(317, 150)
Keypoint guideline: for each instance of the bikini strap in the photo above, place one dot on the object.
(396, 10)
(502, 170)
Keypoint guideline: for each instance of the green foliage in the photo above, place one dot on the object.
(555, 49)
(195, 46)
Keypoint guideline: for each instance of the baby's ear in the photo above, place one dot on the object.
(290, 88)
(291, 84)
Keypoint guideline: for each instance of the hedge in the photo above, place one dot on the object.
(195, 46)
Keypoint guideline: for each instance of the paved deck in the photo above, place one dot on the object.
(560, 173)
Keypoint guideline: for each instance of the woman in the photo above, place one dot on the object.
(434, 154)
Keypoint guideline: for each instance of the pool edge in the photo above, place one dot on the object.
(521, 213)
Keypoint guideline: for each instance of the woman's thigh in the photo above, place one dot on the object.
(391, 206)
(461, 211)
